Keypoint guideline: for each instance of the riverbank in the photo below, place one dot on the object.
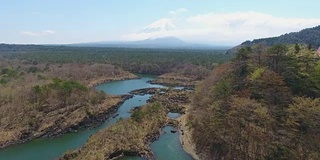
(127, 137)
(63, 120)
(186, 136)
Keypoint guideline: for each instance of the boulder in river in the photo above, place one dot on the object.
(173, 131)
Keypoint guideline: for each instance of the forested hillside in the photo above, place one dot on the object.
(264, 104)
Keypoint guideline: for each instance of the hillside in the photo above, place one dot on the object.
(264, 104)
(310, 36)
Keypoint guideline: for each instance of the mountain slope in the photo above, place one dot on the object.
(309, 36)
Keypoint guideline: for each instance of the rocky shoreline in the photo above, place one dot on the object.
(55, 130)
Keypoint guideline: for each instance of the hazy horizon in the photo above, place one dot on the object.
(212, 22)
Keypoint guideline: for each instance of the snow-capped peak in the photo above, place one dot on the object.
(159, 26)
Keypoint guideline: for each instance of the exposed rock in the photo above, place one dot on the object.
(173, 131)
(115, 115)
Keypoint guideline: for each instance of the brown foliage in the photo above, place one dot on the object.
(245, 110)
(31, 104)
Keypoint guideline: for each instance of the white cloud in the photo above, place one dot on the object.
(240, 26)
(229, 28)
(41, 33)
(178, 11)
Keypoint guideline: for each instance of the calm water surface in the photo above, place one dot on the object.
(168, 146)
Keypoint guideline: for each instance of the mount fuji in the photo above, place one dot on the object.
(161, 25)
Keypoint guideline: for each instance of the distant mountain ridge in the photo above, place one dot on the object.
(310, 36)
(163, 42)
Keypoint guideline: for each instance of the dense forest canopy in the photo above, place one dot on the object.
(154, 61)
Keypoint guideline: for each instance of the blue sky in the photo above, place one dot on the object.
(225, 22)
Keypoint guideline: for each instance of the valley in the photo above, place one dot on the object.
(159, 80)
(63, 103)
